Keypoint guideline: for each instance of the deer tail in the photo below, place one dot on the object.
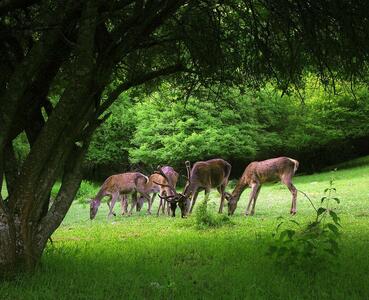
(142, 176)
(296, 164)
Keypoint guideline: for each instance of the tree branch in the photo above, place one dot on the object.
(10, 5)
(135, 82)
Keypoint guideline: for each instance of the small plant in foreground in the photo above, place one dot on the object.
(313, 246)
(205, 218)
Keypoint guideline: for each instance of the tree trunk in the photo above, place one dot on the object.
(59, 142)
(7, 242)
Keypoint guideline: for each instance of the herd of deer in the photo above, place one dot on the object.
(204, 175)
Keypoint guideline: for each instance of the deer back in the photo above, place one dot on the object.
(124, 183)
(211, 173)
(171, 174)
(270, 169)
(160, 182)
(153, 180)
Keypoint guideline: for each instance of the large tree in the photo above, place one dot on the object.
(63, 63)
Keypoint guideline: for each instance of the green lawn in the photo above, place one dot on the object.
(145, 257)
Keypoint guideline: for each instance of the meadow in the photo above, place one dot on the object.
(150, 257)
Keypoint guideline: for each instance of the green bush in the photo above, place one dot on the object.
(86, 191)
(206, 217)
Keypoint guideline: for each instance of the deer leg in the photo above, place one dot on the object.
(114, 198)
(293, 191)
(109, 200)
(287, 180)
(194, 198)
(252, 195)
(255, 198)
(167, 205)
(152, 201)
(123, 204)
(139, 203)
(160, 204)
(144, 196)
(221, 191)
(134, 202)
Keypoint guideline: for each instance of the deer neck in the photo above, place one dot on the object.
(190, 189)
(148, 187)
(239, 188)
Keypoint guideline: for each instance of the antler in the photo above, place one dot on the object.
(188, 168)
(169, 185)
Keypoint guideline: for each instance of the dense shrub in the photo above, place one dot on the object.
(205, 217)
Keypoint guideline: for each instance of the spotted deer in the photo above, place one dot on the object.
(120, 185)
(259, 172)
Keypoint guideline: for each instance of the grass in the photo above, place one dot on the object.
(149, 257)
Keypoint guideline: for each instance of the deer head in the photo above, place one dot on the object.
(176, 199)
(94, 206)
(232, 203)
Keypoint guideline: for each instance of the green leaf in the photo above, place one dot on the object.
(279, 225)
(333, 228)
(321, 210)
(336, 219)
(337, 200)
(295, 222)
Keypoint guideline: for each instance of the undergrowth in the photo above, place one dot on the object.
(205, 217)
(313, 246)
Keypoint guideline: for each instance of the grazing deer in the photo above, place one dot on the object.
(120, 184)
(158, 184)
(258, 172)
(204, 175)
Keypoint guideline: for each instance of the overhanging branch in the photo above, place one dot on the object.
(10, 5)
(135, 82)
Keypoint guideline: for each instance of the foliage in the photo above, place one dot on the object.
(312, 247)
(165, 127)
(173, 132)
(205, 217)
(86, 191)
(21, 147)
(111, 141)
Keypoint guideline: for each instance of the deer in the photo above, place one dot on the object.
(158, 184)
(259, 172)
(204, 175)
(119, 185)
